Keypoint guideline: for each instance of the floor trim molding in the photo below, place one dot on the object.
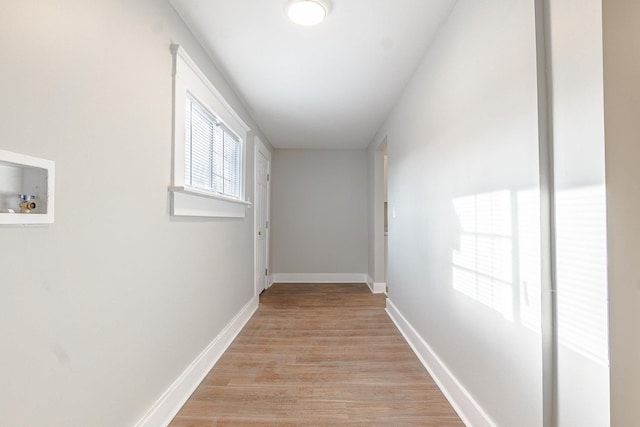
(376, 287)
(464, 404)
(319, 278)
(172, 400)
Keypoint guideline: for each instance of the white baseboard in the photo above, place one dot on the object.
(376, 287)
(163, 411)
(464, 404)
(319, 278)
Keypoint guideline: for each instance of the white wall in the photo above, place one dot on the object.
(581, 248)
(462, 154)
(464, 246)
(319, 212)
(621, 29)
(102, 310)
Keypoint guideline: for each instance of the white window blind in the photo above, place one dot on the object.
(212, 153)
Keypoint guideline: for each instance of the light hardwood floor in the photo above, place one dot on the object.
(318, 355)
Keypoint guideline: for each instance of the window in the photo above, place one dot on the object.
(208, 158)
(212, 153)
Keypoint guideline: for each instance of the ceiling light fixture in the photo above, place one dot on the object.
(307, 12)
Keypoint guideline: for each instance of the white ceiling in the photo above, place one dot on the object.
(328, 86)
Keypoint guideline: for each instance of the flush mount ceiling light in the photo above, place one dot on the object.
(307, 12)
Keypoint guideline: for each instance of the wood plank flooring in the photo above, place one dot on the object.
(318, 355)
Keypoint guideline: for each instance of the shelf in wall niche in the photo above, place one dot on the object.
(22, 174)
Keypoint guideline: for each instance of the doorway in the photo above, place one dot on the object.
(378, 225)
(386, 216)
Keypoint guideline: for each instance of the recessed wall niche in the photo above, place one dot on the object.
(26, 189)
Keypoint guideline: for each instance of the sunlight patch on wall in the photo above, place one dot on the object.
(529, 266)
(581, 249)
(497, 261)
(483, 262)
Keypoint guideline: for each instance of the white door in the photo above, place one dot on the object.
(263, 170)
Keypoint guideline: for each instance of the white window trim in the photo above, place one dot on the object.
(185, 200)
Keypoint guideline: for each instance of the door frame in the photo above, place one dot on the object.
(260, 147)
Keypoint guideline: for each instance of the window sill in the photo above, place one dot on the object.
(186, 201)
